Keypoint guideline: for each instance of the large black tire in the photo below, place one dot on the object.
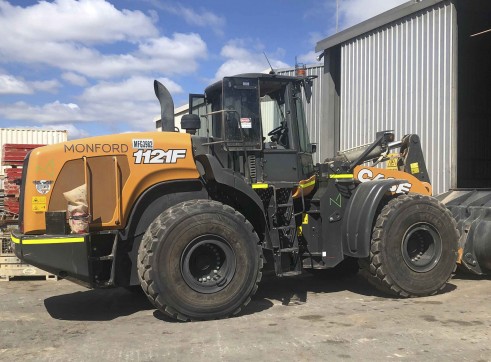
(414, 247)
(200, 260)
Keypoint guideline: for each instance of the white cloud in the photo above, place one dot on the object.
(85, 21)
(308, 58)
(50, 86)
(12, 85)
(75, 79)
(50, 113)
(201, 18)
(61, 34)
(241, 59)
(130, 102)
(74, 132)
(15, 85)
(352, 12)
(134, 89)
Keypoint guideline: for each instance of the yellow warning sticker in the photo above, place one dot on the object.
(414, 167)
(38, 203)
(38, 207)
(305, 219)
(392, 164)
(39, 199)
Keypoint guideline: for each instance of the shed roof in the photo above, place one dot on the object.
(397, 13)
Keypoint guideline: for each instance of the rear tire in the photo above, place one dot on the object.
(200, 260)
(414, 247)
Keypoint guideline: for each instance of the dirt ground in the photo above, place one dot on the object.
(299, 319)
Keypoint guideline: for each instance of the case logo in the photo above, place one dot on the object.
(365, 175)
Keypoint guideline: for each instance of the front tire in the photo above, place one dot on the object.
(414, 247)
(200, 260)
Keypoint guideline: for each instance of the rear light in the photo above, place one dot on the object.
(300, 70)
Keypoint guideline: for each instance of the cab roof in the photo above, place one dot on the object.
(261, 76)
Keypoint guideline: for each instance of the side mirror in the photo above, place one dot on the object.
(191, 123)
(313, 147)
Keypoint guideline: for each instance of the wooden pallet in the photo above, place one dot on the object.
(12, 267)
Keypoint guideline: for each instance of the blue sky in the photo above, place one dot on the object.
(88, 65)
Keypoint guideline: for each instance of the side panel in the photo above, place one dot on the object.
(66, 254)
(116, 169)
(238, 194)
(360, 214)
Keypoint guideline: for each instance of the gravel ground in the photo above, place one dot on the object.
(301, 319)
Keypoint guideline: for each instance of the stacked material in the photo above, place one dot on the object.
(12, 158)
(10, 266)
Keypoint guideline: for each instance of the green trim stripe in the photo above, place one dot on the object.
(260, 186)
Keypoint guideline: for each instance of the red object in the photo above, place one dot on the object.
(11, 188)
(13, 154)
(11, 184)
(11, 204)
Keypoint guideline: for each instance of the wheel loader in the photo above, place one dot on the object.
(194, 218)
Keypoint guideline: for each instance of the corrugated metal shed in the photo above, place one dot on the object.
(397, 71)
(401, 77)
(29, 136)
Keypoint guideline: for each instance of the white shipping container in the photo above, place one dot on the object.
(31, 137)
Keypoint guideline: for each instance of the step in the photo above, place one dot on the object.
(291, 273)
(285, 205)
(288, 250)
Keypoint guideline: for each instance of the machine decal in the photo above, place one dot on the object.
(43, 186)
(392, 162)
(96, 147)
(38, 203)
(414, 167)
(48, 169)
(158, 156)
(337, 201)
(245, 123)
(366, 174)
(143, 144)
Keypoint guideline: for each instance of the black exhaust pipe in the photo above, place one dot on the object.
(166, 107)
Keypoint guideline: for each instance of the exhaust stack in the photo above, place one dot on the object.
(166, 106)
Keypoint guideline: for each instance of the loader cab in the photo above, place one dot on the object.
(255, 124)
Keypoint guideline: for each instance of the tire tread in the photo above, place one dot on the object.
(150, 241)
(372, 268)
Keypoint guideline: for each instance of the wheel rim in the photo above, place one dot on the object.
(208, 264)
(422, 247)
